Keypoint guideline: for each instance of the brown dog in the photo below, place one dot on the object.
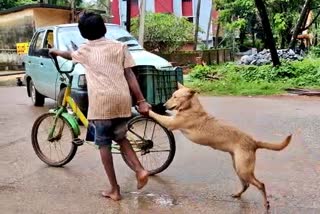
(203, 129)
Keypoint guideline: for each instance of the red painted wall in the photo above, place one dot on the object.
(187, 8)
(115, 12)
(164, 6)
(134, 8)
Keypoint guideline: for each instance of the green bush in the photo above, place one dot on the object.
(241, 79)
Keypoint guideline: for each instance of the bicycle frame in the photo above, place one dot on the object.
(67, 99)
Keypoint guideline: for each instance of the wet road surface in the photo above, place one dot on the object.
(200, 180)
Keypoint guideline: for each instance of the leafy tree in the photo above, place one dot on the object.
(6, 4)
(164, 32)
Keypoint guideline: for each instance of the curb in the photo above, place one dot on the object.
(10, 73)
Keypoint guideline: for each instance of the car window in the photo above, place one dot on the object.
(69, 38)
(39, 40)
(37, 43)
(48, 42)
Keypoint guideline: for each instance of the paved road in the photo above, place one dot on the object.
(199, 180)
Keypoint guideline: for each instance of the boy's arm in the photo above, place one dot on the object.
(143, 106)
(63, 54)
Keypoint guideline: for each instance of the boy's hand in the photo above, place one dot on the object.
(144, 108)
(53, 52)
(63, 54)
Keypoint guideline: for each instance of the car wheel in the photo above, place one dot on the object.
(36, 98)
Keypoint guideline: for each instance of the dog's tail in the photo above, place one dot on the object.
(275, 147)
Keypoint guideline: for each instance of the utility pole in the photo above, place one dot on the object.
(197, 26)
(128, 19)
(141, 22)
(209, 25)
(73, 6)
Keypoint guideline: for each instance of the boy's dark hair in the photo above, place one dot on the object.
(92, 26)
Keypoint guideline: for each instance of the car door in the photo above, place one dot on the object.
(32, 61)
(49, 73)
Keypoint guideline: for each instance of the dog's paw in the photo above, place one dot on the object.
(267, 205)
(236, 195)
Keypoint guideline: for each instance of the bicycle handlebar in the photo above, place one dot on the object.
(56, 63)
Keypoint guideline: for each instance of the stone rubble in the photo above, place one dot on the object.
(264, 57)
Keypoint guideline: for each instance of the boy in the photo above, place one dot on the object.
(109, 81)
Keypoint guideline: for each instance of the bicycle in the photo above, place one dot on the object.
(63, 127)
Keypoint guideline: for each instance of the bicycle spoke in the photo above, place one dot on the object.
(154, 157)
(58, 148)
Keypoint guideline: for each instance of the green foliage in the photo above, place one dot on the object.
(6, 4)
(164, 32)
(283, 16)
(253, 80)
(314, 51)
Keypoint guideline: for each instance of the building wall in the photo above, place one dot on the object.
(16, 27)
(163, 6)
(115, 11)
(19, 26)
(180, 8)
(177, 7)
(56, 16)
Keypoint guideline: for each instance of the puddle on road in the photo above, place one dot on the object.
(163, 200)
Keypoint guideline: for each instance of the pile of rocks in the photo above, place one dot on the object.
(264, 57)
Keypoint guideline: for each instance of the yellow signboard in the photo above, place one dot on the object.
(22, 48)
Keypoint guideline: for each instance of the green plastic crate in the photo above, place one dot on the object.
(156, 85)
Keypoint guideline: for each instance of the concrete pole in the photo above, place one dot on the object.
(141, 22)
(209, 26)
(197, 26)
(128, 18)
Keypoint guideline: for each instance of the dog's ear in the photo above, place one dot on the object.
(192, 92)
(180, 85)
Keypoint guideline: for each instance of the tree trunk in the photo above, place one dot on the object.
(216, 40)
(299, 24)
(253, 38)
(197, 26)
(268, 33)
(316, 36)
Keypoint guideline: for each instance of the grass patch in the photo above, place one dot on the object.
(239, 88)
(244, 80)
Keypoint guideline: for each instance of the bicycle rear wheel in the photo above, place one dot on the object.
(154, 145)
(59, 150)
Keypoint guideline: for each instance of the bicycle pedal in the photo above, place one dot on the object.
(78, 142)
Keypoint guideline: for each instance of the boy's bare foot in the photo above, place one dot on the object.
(114, 194)
(142, 178)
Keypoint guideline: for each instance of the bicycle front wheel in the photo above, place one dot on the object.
(58, 149)
(154, 145)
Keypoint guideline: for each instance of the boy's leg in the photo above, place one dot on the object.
(141, 173)
(103, 134)
(107, 160)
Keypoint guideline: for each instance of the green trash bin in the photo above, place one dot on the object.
(158, 85)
